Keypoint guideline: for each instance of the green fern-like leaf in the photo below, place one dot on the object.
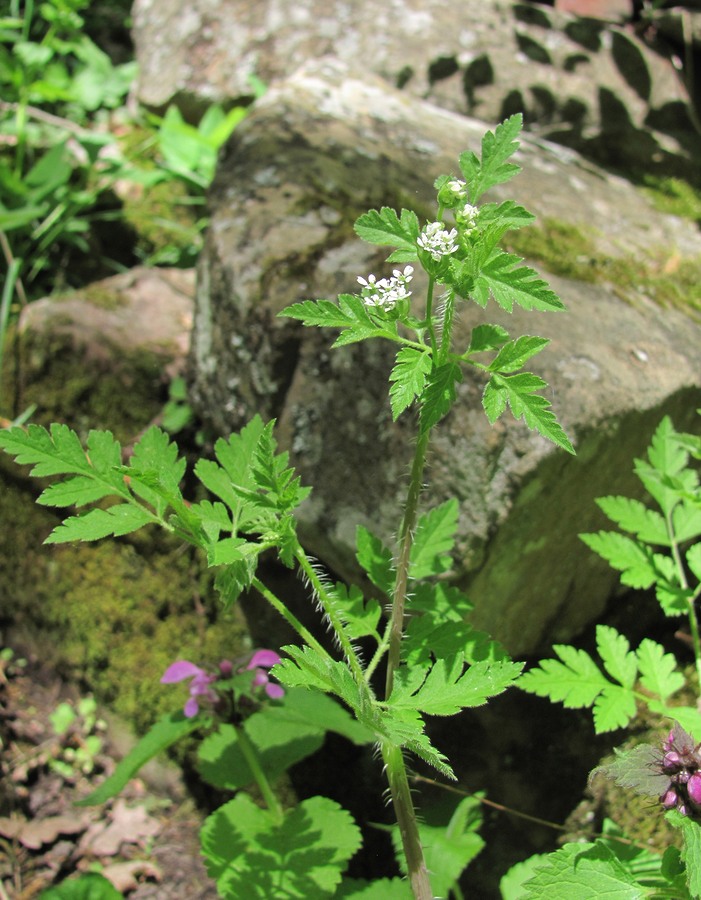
(497, 147)
(408, 378)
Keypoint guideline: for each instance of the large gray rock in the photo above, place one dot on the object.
(318, 150)
(590, 85)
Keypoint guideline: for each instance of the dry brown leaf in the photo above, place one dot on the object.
(129, 825)
(45, 831)
(122, 875)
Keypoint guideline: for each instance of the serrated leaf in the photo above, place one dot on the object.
(505, 279)
(693, 559)
(379, 889)
(658, 670)
(449, 687)
(349, 314)
(513, 355)
(251, 854)
(633, 516)
(618, 659)
(383, 227)
(75, 491)
(376, 559)
(613, 708)
(167, 731)
(691, 853)
(439, 394)
(427, 638)
(638, 769)
(307, 667)
(408, 378)
(575, 681)
(629, 557)
(580, 872)
(433, 540)
(497, 147)
(100, 523)
(519, 392)
(360, 617)
(487, 337)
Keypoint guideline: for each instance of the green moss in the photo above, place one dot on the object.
(674, 196)
(112, 615)
(665, 277)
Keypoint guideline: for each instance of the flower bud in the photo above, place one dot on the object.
(669, 799)
(694, 789)
(671, 762)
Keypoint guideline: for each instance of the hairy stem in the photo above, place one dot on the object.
(406, 819)
(331, 612)
(406, 536)
(292, 620)
(691, 602)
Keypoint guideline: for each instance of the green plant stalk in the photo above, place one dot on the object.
(251, 757)
(330, 611)
(406, 819)
(691, 601)
(291, 619)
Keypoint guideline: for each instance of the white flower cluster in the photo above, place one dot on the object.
(467, 217)
(387, 292)
(437, 241)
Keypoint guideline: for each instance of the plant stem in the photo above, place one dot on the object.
(406, 536)
(249, 754)
(292, 620)
(331, 612)
(691, 602)
(406, 819)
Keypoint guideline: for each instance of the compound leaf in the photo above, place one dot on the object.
(504, 278)
(519, 392)
(497, 147)
(384, 227)
(408, 378)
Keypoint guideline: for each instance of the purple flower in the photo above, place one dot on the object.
(199, 684)
(260, 661)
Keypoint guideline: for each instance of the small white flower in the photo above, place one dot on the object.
(387, 292)
(467, 217)
(437, 240)
(458, 187)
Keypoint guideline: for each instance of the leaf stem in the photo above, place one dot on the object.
(331, 612)
(291, 619)
(251, 756)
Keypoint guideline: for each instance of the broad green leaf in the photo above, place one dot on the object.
(384, 227)
(614, 650)
(497, 147)
(449, 688)
(100, 523)
(278, 744)
(580, 872)
(658, 670)
(632, 559)
(691, 851)
(167, 731)
(349, 314)
(686, 520)
(633, 516)
(433, 540)
(253, 855)
(439, 394)
(514, 354)
(508, 282)
(376, 560)
(408, 378)
(428, 637)
(519, 392)
(448, 849)
(89, 886)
